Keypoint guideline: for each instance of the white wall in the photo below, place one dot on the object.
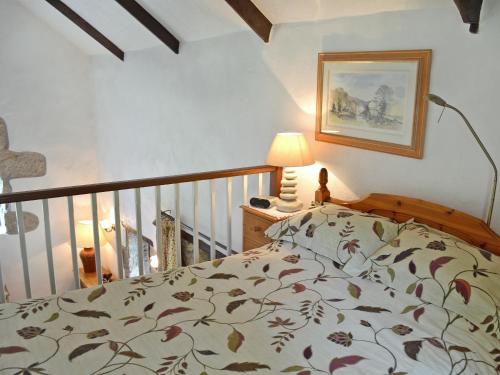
(46, 100)
(219, 103)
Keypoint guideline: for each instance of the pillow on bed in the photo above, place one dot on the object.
(342, 234)
(441, 269)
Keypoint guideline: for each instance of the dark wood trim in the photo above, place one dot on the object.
(150, 23)
(87, 27)
(470, 10)
(253, 17)
(275, 182)
(24, 196)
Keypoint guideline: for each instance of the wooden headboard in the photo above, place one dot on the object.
(401, 208)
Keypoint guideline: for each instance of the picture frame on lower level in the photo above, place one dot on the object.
(374, 100)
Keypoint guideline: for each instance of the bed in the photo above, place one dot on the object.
(288, 307)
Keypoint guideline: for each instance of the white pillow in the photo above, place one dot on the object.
(337, 232)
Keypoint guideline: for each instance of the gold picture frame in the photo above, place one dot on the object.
(374, 100)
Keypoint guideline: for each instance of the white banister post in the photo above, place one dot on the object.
(213, 218)
(158, 222)
(196, 224)
(48, 245)
(118, 233)
(97, 244)
(72, 240)
(229, 181)
(178, 249)
(261, 180)
(24, 253)
(245, 189)
(2, 291)
(138, 218)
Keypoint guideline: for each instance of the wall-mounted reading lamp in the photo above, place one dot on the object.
(441, 102)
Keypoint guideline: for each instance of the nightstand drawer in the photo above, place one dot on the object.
(255, 223)
(254, 226)
(249, 243)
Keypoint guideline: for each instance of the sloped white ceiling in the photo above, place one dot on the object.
(287, 11)
(191, 20)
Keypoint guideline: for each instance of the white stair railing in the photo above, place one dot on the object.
(136, 185)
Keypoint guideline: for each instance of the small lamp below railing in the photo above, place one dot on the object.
(153, 261)
(108, 225)
(441, 102)
(85, 240)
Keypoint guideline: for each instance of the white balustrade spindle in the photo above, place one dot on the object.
(178, 225)
(2, 291)
(213, 218)
(229, 186)
(24, 252)
(196, 224)
(118, 233)
(245, 189)
(158, 223)
(72, 240)
(97, 244)
(48, 245)
(138, 221)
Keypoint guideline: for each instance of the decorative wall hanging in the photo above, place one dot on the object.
(17, 165)
(374, 100)
(167, 257)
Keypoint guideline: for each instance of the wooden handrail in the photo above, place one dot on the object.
(25, 196)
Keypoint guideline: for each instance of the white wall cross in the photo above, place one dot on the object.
(16, 165)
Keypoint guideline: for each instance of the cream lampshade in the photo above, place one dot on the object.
(289, 150)
(85, 240)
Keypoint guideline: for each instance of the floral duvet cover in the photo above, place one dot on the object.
(272, 310)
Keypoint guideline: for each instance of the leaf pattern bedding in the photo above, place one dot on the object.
(443, 270)
(276, 309)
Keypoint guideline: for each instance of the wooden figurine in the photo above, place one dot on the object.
(322, 194)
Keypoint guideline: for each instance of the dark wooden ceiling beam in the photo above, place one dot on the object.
(470, 10)
(253, 17)
(87, 27)
(150, 23)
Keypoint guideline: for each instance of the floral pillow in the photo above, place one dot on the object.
(342, 234)
(443, 270)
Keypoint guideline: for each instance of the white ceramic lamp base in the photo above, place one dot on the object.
(288, 201)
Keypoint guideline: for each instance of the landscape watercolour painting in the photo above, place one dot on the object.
(371, 100)
(376, 103)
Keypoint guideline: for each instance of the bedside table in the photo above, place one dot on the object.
(255, 223)
(89, 280)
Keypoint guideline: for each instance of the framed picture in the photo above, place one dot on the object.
(374, 100)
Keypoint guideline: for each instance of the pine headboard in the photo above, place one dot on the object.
(401, 208)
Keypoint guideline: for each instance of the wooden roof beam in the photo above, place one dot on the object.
(253, 17)
(150, 23)
(87, 27)
(470, 10)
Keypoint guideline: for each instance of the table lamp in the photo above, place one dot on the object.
(85, 240)
(289, 150)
